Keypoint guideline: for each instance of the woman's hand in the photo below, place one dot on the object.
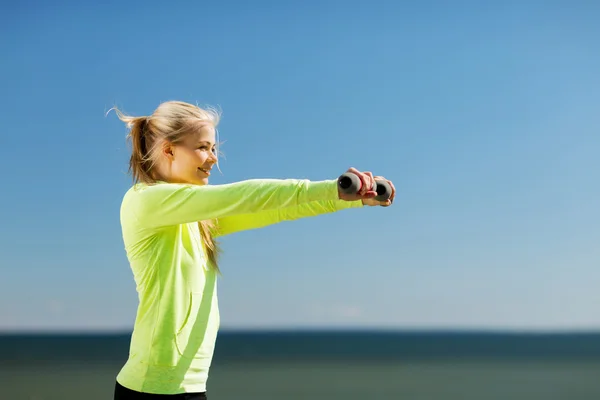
(386, 203)
(365, 194)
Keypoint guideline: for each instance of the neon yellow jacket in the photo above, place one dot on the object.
(177, 319)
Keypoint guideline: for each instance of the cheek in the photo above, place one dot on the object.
(200, 156)
(185, 161)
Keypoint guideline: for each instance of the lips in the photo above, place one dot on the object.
(205, 170)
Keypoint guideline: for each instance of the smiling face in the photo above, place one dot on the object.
(192, 158)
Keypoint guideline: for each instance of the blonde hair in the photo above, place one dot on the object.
(171, 122)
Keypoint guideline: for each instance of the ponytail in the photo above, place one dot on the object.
(139, 162)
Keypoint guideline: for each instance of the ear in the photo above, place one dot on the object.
(168, 151)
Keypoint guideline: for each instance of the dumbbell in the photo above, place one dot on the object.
(350, 183)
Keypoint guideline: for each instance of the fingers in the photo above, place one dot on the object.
(367, 181)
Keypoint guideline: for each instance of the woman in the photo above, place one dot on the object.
(170, 219)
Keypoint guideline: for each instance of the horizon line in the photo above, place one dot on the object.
(316, 329)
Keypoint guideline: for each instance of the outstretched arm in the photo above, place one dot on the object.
(243, 222)
(165, 204)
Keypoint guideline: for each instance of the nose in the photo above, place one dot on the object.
(212, 158)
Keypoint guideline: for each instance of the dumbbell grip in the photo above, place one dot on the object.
(350, 183)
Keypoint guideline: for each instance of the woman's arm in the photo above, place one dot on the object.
(243, 222)
(164, 204)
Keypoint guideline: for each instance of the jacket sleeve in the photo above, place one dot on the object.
(237, 223)
(166, 204)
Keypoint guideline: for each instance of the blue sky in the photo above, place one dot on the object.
(484, 114)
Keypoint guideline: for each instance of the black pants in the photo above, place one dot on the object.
(122, 393)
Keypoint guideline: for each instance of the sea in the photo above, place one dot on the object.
(327, 365)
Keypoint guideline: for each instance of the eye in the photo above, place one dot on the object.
(205, 147)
